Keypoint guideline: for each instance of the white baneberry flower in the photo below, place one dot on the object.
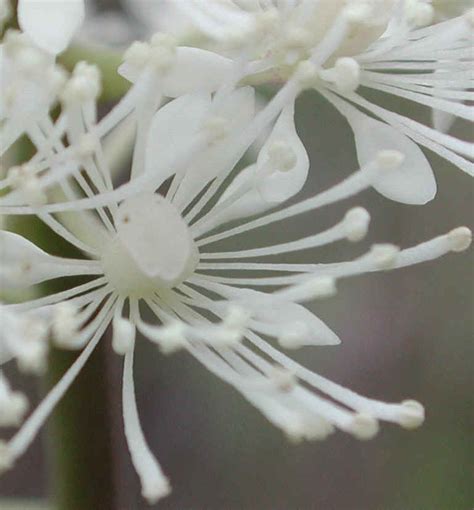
(358, 45)
(150, 245)
(30, 79)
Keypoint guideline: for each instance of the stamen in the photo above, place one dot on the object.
(154, 483)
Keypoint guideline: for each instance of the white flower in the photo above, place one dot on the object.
(150, 244)
(362, 44)
(30, 80)
(23, 338)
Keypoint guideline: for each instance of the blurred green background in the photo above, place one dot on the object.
(406, 334)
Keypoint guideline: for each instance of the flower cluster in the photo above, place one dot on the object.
(151, 244)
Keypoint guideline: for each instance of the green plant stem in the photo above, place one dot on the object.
(81, 436)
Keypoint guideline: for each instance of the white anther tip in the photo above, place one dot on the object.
(389, 159)
(460, 238)
(306, 73)
(364, 426)
(323, 286)
(123, 335)
(156, 491)
(6, 457)
(384, 255)
(65, 324)
(411, 414)
(356, 224)
(138, 54)
(347, 74)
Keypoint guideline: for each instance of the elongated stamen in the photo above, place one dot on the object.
(353, 227)
(154, 483)
(350, 186)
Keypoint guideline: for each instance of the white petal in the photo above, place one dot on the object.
(24, 264)
(194, 70)
(172, 130)
(279, 184)
(155, 236)
(51, 24)
(413, 181)
(292, 323)
(235, 112)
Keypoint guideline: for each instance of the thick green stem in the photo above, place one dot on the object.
(81, 436)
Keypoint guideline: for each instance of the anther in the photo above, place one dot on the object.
(65, 324)
(172, 337)
(138, 54)
(364, 426)
(384, 256)
(282, 156)
(411, 414)
(6, 457)
(356, 224)
(460, 239)
(306, 74)
(345, 74)
(123, 335)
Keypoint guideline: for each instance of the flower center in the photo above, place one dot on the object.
(153, 247)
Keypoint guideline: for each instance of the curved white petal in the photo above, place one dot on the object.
(413, 181)
(23, 263)
(293, 324)
(234, 114)
(193, 70)
(51, 24)
(280, 176)
(172, 130)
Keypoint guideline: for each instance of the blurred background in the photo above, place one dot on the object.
(406, 334)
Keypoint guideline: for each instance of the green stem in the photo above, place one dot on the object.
(81, 436)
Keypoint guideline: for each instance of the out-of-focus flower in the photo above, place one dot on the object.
(30, 79)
